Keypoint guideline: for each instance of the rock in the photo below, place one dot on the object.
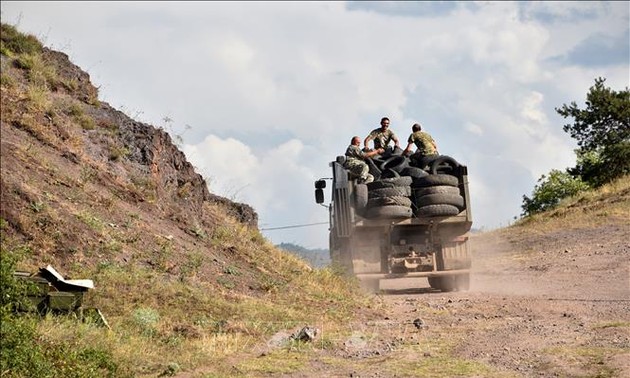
(419, 324)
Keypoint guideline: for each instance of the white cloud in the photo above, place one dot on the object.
(273, 91)
(473, 128)
(532, 108)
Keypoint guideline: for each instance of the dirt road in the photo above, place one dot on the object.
(554, 305)
(550, 305)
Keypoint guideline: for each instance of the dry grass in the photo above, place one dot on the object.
(585, 210)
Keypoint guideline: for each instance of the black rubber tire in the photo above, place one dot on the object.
(389, 212)
(403, 191)
(390, 182)
(442, 161)
(438, 189)
(397, 151)
(434, 283)
(433, 180)
(360, 197)
(374, 170)
(443, 164)
(378, 160)
(389, 173)
(389, 201)
(414, 172)
(444, 283)
(437, 211)
(422, 162)
(440, 198)
(396, 163)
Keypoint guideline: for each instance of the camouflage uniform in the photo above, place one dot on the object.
(381, 138)
(356, 165)
(424, 142)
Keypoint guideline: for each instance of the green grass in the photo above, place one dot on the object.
(619, 324)
(591, 360)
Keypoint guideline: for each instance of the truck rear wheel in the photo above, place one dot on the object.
(460, 282)
(444, 283)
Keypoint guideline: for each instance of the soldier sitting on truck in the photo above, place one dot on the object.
(382, 136)
(355, 161)
(424, 142)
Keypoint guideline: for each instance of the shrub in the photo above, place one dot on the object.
(550, 190)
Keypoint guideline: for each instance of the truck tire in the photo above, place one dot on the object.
(444, 283)
(437, 210)
(396, 163)
(433, 282)
(389, 201)
(414, 172)
(389, 173)
(422, 162)
(374, 170)
(443, 164)
(404, 191)
(360, 197)
(438, 189)
(389, 212)
(440, 198)
(433, 180)
(390, 182)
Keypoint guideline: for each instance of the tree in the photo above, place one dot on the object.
(602, 131)
(550, 190)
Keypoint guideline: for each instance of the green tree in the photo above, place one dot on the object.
(602, 131)
(550, 190)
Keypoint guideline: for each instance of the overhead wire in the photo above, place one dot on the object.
(293, 226)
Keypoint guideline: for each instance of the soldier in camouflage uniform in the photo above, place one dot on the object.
(381, 136)
(355, 161)
(423, 141)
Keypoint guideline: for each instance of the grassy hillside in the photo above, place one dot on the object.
(184, 278)
(605, 205)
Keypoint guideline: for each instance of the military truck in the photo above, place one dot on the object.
(413, 220)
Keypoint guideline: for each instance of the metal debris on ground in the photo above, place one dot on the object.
(305, 334)
(51, 292)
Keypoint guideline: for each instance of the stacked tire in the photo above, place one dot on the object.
(405, 187)
(437, 195)
(389, 198)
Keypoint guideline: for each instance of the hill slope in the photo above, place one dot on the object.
(100, 196)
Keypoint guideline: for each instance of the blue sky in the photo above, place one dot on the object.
(266, 94)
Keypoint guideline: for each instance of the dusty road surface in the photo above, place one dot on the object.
(554, 304)
(538, 306)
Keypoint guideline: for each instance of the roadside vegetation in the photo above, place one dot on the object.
(606, 204)
(602, 132)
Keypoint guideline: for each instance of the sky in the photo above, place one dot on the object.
(261, 96)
